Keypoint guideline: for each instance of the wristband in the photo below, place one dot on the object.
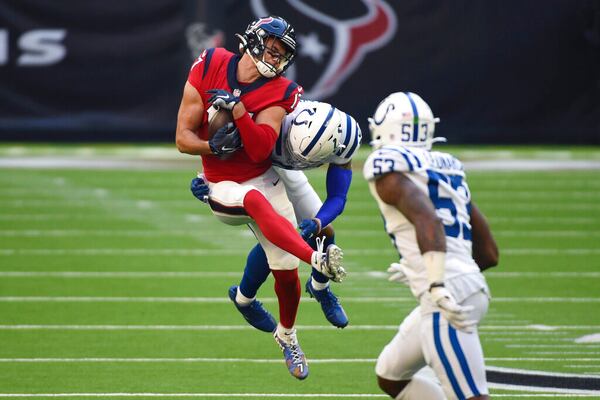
(435, 265)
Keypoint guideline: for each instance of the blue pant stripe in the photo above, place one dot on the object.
(440, 350)
(462, 360)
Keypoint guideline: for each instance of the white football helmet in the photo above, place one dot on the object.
(403, 118)
(315, 134)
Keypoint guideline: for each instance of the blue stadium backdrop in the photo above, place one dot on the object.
(496, 71)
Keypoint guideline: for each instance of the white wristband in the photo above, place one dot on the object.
(435, 265)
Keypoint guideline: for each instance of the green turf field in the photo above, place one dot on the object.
(113, 282)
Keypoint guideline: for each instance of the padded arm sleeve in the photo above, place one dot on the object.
(338, 184)
(258, 139)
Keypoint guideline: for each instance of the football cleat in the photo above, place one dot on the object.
(329, 263)
(254, 313)
(293, 354)
(333, 310)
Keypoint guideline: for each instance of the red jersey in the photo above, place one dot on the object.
(217, 69)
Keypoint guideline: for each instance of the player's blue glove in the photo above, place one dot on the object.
(222, 99)
(309, 228)
(199, 188)
(226, 140)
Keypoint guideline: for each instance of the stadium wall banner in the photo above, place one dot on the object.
(91, 70)
(495, 71)
(499, 71)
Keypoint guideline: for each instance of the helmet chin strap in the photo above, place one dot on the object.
(263, 67)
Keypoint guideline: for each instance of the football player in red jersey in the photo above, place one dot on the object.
(244, 189)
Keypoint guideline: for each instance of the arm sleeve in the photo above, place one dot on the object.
(258, 139)
(338, 184)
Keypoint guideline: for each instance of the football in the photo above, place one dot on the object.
(216, 119)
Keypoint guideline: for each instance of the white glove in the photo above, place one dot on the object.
(454, 313)
(397, 274)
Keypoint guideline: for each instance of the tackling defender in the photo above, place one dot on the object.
(244, 187)
(314, 134)
(444, 242)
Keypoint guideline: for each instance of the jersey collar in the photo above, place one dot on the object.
(232, 78)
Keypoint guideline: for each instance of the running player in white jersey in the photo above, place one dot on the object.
(313, 135)
(444, 242)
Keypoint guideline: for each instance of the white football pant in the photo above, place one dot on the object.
(226, 201)
(426, 338)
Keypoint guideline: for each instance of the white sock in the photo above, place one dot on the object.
(421, 388)
(318, 285)
(241, 299)
(283, 332)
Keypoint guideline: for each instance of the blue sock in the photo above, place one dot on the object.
(312, 242)
(255, 273)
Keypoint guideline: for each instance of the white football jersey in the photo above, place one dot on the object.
(441, 176)
(350, 138)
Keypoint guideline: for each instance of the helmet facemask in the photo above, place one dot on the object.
(258, 42)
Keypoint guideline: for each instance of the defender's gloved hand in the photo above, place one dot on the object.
(226, 140)
(397, 274)
(309, 227)
(199, 188)
(454, 313)
(222, 99)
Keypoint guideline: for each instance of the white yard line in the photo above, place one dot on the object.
(226, 274)
(568, 394)
(249, 360)
(122, 299)
(347, 218)
(243, 251)
(228, 233)
(554, 346)
(272, 395)
(559, 392)
(522, 329)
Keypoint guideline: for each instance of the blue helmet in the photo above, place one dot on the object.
(253, 42)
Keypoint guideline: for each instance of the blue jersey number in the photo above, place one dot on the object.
(457, 228)
(382, 166)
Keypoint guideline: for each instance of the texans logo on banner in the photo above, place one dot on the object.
(333, 39)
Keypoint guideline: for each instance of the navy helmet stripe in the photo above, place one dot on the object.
(462, 360)
(315, 140)
(415, 117)
(209, 55)
(355, 143)
(347, 133)
(440, 350)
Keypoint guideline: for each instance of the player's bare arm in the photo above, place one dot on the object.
(485, 250)
(399, 191)
(189, 120)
